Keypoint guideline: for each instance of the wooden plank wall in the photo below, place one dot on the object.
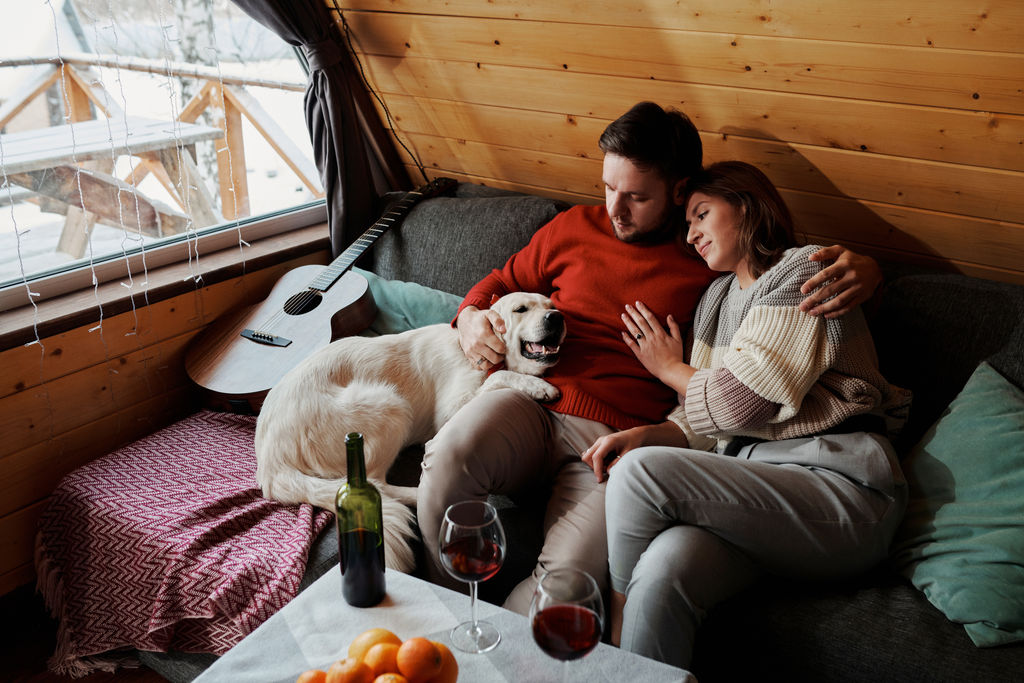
(893, 126)
(79, 395)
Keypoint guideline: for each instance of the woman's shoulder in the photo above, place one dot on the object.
(787, 276)
(797, 259)
(796, 264)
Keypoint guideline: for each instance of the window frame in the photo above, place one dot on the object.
(184, 248)
(270, 239)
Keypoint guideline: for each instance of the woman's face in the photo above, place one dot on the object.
(714, 230)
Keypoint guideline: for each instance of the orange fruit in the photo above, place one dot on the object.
(390, 678)
(419, 660)
(382, 658)
(449, 667)
(367, 639)
(312, 676)
(349, 670)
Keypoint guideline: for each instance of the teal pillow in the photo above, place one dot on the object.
(403, 306)
(962, 539)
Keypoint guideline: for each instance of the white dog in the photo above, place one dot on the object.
(396, 390)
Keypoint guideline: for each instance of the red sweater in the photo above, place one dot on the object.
(590, 275)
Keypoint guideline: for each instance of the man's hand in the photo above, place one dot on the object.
(477, 336)
(852, 280)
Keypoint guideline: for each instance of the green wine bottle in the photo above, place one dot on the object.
(360, 520)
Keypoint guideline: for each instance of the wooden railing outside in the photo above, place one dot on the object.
(225, 96)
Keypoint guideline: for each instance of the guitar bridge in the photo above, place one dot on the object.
(264, 338)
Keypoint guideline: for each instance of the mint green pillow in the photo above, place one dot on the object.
(962, 539)
(403, 306)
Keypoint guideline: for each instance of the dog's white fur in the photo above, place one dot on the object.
(396, 390)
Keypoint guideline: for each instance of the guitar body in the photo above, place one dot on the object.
(235, 372)
(240, 359)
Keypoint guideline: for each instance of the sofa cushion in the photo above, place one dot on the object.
(403, 306)
(451, 242)
(876, 628)
(962, 539)
(931, 331)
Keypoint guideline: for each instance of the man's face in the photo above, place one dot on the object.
(640, 203)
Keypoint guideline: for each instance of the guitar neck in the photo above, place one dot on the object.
(340, 265)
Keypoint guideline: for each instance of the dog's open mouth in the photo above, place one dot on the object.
(545, 351)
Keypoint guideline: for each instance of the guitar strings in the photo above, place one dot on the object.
(295, 306)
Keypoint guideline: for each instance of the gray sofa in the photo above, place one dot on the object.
(932, 330)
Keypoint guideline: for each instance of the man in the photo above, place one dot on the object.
(591, 261)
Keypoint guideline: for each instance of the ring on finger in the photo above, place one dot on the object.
(480, 362)
(639, 336)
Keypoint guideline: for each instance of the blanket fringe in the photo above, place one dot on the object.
(65, 659)
(48, 580)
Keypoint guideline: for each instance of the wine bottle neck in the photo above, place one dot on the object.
(356, 463)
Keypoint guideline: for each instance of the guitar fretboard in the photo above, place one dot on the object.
(340, 265)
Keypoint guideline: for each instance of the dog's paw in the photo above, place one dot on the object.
(535, 387)
(538, 389)
(544, 391)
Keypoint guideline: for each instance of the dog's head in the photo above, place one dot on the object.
(534, 330)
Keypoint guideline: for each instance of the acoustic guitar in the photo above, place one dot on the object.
(241, 357)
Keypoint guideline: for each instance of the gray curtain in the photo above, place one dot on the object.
(338, 112)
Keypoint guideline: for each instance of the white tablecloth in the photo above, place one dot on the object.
(315, 629)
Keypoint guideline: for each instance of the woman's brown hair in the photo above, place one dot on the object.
(766, 226)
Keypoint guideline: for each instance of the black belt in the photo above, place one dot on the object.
(873, 424)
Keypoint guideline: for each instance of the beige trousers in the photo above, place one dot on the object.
(504, 442)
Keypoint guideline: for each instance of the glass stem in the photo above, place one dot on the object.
(474, 629)
(565, 671)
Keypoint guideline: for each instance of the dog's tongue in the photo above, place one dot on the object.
(534, 347)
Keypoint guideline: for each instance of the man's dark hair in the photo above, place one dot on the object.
(656, 139)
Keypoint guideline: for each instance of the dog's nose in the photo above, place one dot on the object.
(554, 318)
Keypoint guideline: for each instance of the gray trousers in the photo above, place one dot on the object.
(688, 529)
(504, 442)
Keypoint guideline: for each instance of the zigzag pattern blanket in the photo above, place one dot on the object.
(169, 543)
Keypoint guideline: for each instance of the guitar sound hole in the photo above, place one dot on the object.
(302, 303)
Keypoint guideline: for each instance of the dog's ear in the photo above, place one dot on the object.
(494, 299)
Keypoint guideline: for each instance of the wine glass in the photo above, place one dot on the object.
(567, 615)
(472, 548)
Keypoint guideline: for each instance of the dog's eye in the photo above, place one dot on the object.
(521, 309)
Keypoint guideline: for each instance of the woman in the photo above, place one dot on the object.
(776, 460)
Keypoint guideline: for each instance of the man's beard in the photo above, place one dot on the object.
(665, 230)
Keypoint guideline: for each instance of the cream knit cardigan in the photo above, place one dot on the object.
(768, 370)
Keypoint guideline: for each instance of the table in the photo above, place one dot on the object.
(72, 163)
(315, 629)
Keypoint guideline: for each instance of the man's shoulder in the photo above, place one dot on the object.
(577, 221)
(588, 212)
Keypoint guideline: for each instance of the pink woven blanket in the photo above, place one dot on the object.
(169, 543)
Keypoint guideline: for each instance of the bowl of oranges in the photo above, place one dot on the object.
(379, 656)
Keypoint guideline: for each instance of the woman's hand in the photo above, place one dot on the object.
(477, 336)
(851, 281)
(660, 352)
(609, 450)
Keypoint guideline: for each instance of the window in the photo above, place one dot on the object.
(129, 125)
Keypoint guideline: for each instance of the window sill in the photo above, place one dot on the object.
(54, 316)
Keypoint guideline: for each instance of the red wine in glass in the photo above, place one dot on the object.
(567, 615)
(567, 632)
(471, 549)
(472, 558)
